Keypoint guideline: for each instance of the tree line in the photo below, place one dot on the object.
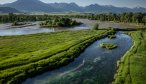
(21, 18)
(121, 17)
(59, 22)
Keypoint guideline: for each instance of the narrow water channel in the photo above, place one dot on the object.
(94, 66)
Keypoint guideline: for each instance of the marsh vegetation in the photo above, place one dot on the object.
(109, 46)
(30, 55)
(112, 36)
(131, 67)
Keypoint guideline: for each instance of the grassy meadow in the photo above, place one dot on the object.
(132, 66)
(25, 56)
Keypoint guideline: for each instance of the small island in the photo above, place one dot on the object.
(108, 45)
(16, 24)
(60, 22)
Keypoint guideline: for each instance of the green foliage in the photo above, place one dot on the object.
(111, 36)
(144, 19)
(59, 22)
(30, 55)
(108, 45)
(123, 17)
(96, 26)
(14, 23)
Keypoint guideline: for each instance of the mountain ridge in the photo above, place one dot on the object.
(8, 10)
(39, 6)
(30, 5)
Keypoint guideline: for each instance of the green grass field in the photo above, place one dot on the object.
(132, 66)
(25, 56)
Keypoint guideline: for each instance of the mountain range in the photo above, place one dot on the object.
(8, 10)
(39, 6)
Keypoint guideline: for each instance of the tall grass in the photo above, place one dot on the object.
(131, 68)
(30, 55)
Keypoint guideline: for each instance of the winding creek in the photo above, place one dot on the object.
(94, 66)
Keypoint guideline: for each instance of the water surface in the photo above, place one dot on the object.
(94, 66)
(87, 24)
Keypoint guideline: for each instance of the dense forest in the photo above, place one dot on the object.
(122, 17)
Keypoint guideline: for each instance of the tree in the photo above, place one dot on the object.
(12, 17)
(144, 20)
(96, 26)
(15, 23)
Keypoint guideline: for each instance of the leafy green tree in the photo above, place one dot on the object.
(144, 20)
(96, 26)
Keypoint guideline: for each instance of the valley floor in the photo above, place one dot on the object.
(25, 56)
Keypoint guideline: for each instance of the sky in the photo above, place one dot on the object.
(118, 3)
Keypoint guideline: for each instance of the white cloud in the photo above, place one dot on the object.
(6, 1)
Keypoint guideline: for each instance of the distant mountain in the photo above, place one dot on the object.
(94, 8)
(38, 6)
(139, 9)
(8, 10)
(109, 8)
(67, 7)
(31, 6)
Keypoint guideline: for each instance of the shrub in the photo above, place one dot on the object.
(59, 22)
(96, 26)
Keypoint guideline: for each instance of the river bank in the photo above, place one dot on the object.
(131, 67)
(25, 56)
(94, 65)
(26, 61)
(87, 24)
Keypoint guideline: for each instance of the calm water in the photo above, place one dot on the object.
(94, 66)
(5, 30)
(87, 24)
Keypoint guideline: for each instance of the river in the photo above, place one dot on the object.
(94, 66)
(87, 24)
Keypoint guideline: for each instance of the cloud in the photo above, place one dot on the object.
(6, 1)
